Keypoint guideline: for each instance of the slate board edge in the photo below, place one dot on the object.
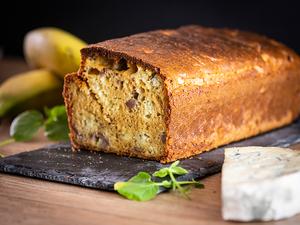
(290, 140)
(4, 170)
(23, 172)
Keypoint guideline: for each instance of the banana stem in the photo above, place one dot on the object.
(7, 141)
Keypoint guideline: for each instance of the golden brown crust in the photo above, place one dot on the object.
(219, 114)
(68, 79)
(195, 51)
(223, 85)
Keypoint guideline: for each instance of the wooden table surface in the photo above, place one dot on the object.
(31, 201)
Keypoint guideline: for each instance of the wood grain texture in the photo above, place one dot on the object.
(31, 201)
(10, 66)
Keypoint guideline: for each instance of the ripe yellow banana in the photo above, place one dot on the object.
(34, 88)
(53, 49)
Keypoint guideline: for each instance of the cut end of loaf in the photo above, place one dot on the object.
(118, 107)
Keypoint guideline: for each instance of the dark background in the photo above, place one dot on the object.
(95, 21)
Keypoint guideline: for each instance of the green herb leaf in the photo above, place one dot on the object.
(174, 164)
(47, 111)
(139, 187)
(56, 126)
(178, 170)
(167, 184)
(162, 172)
(141, 177)
(26, 125)
(142, 188)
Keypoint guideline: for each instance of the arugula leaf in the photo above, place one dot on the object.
(26, 125)
(56, 126)
(142, 188)
(139, 187)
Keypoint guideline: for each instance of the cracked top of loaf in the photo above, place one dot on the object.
(171, 94)
(197, 52)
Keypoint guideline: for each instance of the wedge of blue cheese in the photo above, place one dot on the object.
(260, 183)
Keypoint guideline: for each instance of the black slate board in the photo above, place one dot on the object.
(101, 170)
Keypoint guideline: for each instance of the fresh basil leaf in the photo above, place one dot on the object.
(137, 191)
(56, 112)
(178, 170)
(174, 164)
(142, 188)
(26, 125)
(161, 173)
(141, 177)
(167, 184)
(56, 126)
(57, 131)
(139, 187)
(47, 111)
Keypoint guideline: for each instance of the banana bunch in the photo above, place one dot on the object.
(52, 53)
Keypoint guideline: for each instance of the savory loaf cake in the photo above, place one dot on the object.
(171, 94)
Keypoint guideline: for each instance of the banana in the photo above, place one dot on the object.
(53, 49)
(34, 88)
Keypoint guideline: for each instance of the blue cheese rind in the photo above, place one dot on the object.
(260, 183)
